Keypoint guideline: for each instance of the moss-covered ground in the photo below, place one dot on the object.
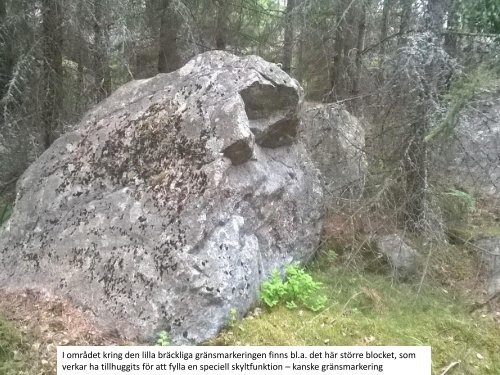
(373, 310)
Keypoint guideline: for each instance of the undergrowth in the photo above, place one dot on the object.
(296, 287)
(12, 348)
(372, 309)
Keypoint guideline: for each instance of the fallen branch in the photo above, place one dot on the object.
(464, 33)
(450, 366)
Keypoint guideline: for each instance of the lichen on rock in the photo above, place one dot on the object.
(168, 204)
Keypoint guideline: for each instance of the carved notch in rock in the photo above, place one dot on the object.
(239, 152)
(272, 113)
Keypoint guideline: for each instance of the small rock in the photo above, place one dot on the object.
(404, 260)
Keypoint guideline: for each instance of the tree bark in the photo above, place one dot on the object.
(451, 39)
(338, 57)
(168, 57)
(221, 24)
(404, 24)
(436, 10)
(360, 46)
(416, 158)
(6, 58)
(289, 31)
(384, 25)
(52, 69)
(102, 74)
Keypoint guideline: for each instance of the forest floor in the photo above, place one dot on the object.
(363, 308)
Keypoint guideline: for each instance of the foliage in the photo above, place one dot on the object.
(162, 339)
(233, 317)
(5, 212)
(461, 92)
(480, 15)
(457, 207)
(297, 287)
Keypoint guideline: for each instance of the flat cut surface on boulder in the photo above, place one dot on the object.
(336, 140)
(471, 157)
(171, 201)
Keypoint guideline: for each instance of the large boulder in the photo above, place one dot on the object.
(471, 157)
(171, 201)
(336, 140)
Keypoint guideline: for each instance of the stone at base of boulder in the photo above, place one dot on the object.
(404, 260)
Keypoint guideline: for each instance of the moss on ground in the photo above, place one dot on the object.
(11, 349)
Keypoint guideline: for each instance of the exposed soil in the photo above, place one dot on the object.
(47, 321)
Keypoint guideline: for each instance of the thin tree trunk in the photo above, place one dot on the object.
(384, 25)
(168, 57)
(6, 58)
(288, 42)
(435, 15)
(221, 25)
(360, 47)
(52, 69)
(404, 24)
(451, 39)
(102, 76)
(415, 165)
(338, 58)
(300, 59)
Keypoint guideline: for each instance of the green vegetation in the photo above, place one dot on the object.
(297, 286)
(372, 310)
(457, 207)
(11, 349)
(162, 339)
(461, 92)
(5, 212)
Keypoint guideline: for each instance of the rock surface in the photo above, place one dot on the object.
(472, 157)
(490, 248)
(335, 139)
(171, 201)
(404, 260)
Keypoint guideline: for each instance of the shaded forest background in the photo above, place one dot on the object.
(405, 66)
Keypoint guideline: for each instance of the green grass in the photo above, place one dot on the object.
(11, 349)
(371, 310)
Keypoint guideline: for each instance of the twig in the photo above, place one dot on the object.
(5, 184)
(450, 366)
(463, 33)
(9, 182)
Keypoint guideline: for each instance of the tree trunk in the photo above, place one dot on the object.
(221, 24)
(404, 25)
(52, 69)
(168, 57)
(451, 40)
(360, 46)
(435, 15)
(102, 75)
(6, 58)
(288, 42)
(338, 58)
(415, 165)
(384, 25)
(416, 157)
